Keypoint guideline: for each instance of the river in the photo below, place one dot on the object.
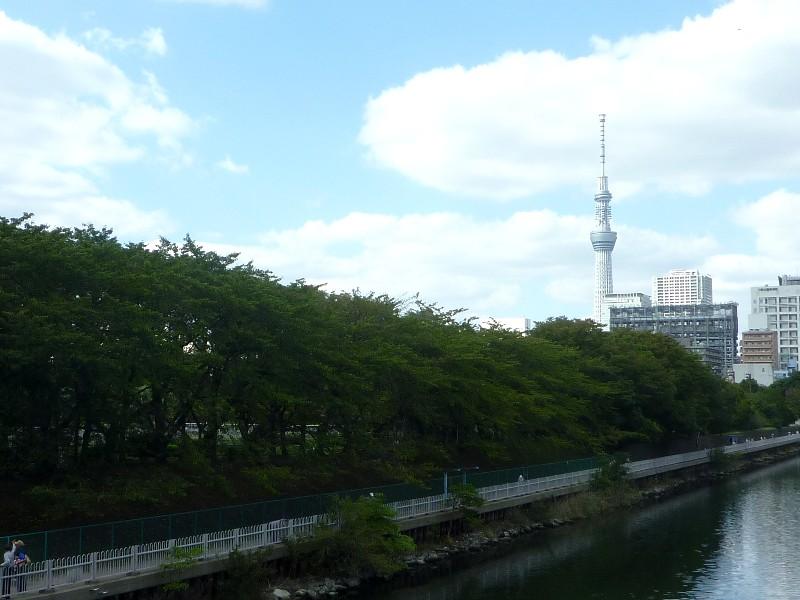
(736, 540)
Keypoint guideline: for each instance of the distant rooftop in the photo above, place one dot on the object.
(788, 279)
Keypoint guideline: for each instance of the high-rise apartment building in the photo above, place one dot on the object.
(760, 346)
(709, 330)
(777, 308)
(682, 286)
(619, 301)
(759, 357)
(603, 239)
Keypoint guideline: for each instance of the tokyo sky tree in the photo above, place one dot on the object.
(603, 239)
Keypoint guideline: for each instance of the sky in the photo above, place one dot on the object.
(448, 149)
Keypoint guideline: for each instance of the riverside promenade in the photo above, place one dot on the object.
(122, 570)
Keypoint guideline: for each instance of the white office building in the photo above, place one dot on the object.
(775, 307)
(620, 301)
(682, 287)
(761, 373)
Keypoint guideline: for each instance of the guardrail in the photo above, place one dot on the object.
(57, 573)
(84, 539)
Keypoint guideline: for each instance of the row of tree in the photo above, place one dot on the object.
(109, 350)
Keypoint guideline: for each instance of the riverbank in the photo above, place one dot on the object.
(438, 552)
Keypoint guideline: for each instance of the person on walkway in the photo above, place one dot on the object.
(6, 569)
(21, 560)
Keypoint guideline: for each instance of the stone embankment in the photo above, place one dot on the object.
(497, 533)
(474, 542)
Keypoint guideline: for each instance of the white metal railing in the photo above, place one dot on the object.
(119, 562)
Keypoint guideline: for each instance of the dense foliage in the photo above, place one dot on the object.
(108, 351)
(366, 542)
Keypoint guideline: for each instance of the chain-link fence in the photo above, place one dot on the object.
(54, 543)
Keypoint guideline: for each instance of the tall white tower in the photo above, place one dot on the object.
(603, 239)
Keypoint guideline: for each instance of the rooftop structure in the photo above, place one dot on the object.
(788, 279)
(621, 300)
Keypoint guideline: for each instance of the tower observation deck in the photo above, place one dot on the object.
(603, 239)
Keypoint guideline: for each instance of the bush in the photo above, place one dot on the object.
(182, 559)
(247, 576)
(465, 498)
(719, 460)
(587, 504)
(366, 542)
(612, 474)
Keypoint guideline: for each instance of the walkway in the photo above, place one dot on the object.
(120, 570)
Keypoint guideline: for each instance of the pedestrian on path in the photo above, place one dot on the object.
(5, 570)
(21, 560)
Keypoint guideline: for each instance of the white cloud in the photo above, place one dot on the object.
(772, 222)
(716, 100)
(774, 219)
(534, 263)
(448, 258)
(251, 4)
(69, 115)
(154, 42)
(127, 219)
(491, 267)
(231, 167)
(151, 40)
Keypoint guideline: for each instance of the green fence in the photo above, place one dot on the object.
(71, 541)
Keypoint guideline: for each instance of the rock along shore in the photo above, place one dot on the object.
(499, 532)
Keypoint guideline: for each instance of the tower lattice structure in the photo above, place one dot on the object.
(603, 239)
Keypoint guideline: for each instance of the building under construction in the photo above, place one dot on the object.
(709, 330)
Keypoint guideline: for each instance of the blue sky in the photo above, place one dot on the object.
(441, 148)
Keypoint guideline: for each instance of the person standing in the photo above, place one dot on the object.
(5, 571)
(21, 560)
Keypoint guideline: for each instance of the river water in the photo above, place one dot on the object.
(737, 540)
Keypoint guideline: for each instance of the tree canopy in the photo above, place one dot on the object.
(115, 353)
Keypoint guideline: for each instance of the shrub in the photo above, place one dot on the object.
(182, 559)
(465, 498)
(247, 575)
(612, 474)
(719, 460)
(367, 541)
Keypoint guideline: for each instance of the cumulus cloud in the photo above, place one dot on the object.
(492, 267)
(532, 263)
(446, 257)
(715, 100)
(127, 219)
(68, 115)
(774, 219)
(771, 222)
(227, 164)
(150, 41)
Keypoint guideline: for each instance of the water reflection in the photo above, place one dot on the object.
(739, 540)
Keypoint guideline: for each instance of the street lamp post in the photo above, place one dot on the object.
(463, 471)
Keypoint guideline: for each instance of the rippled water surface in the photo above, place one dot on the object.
(734, 541)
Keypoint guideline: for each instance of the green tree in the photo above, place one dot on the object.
(365, 540)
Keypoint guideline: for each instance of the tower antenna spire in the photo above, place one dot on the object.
(603, 144)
